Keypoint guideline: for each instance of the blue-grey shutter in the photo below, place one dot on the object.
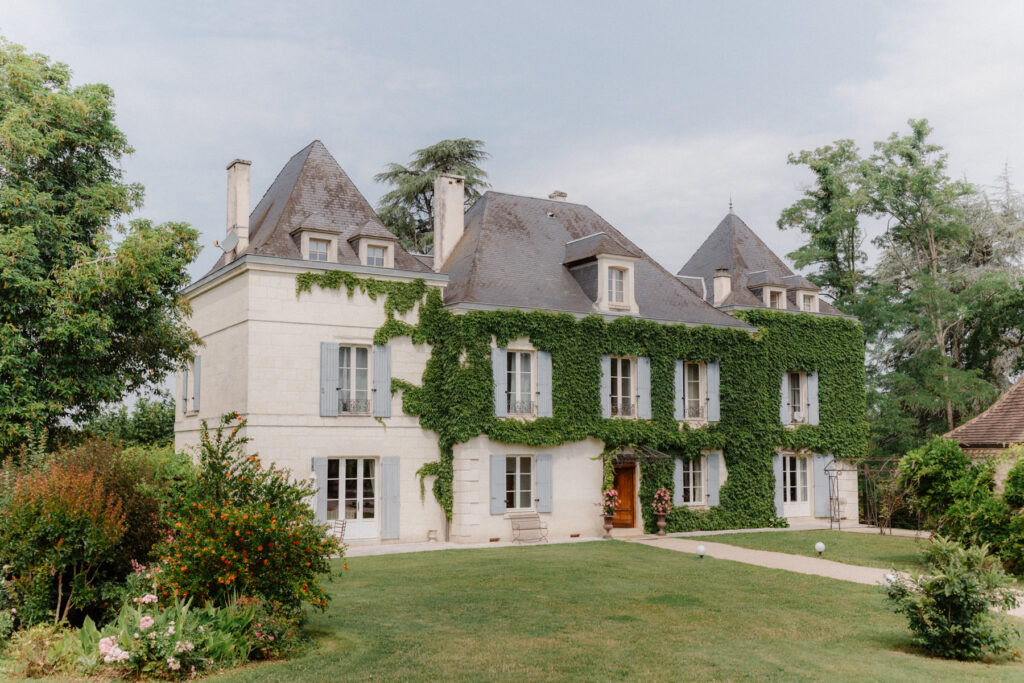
(643, 387)
(196, 365)
(777, 471)
(677, 483)
(606, 386)
(499, 368)
(784, 398)
(184, 390)
(680, 405)
(328, 379)
(714, 478)
(319, 467)
(821, 485)
(390, 469)
(381, 381)
(544, 405)
(497, 484)
(714, 373)
(812, 397)
(544, 483)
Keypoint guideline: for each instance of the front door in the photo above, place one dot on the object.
(795, 501)
(352, 495)
(625, 484)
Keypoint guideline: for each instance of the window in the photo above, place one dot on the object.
(519, 385)
(693, 482)
(318, 250)
(808, 303)
(351, 488)
(775, 299)
(354, 380)
(623, 400)
(794, 479)
(375, 256)
(694, 391)
(797, 398)
(616, 286)
(519, 482)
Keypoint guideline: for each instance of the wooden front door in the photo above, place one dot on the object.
(625, 484)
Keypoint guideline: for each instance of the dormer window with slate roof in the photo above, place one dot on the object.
(775, 298)
(605, 269)
(807, 301)
(317, 246)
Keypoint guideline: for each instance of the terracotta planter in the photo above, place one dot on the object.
(661, 525)
(608, 526)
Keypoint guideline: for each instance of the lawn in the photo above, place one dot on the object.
(602, 611)
(867, 550)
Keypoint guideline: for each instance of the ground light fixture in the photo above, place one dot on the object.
(820, 547)
(701, 550)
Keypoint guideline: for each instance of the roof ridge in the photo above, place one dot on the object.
(561, 202)
(307, 149)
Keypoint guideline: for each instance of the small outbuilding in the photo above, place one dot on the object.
(995, 431)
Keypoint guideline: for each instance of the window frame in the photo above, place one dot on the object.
(801, 475)
(517, 491)
(616, 378)
(702, 391)
(617, 284)
(697, 490)
(516, 355)
(808, 302)
(318, 241)
(371, 258)
(801, 389)
(352, 368)
(770, 293)
(188, 388)
(365, 244)
(340, 497)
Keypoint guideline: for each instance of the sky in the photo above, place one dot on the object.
(652, 113)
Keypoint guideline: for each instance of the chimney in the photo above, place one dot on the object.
(449, 215)
(558, 196)
(723, 286)
(238, 205)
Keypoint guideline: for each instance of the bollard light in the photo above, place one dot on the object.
(820, 547)
(701, 550)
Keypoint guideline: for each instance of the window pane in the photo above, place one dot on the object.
(524, 464)
(351, 468)
(524, 499)
(510, 465)
(368, 508)
(362, 354)
(524, 482)
(351, 509)
(510, 482)
(332, 468)
(510, 500)
(332, 489)
(524, 376)
(332, 509)
(368, 468)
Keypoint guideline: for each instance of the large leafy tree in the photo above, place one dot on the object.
(407, 209)
(89, 307)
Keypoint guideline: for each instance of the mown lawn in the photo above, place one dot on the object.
(867, 550)
(602, 611)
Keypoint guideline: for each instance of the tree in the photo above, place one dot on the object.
(150, 422)
(407, 209)
(89, 308)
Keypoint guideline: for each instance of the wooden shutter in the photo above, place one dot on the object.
(319, 468)
(821, 498)
(499, 368)
(784, 397)
(544, 385)
(677, 483)
(714, 373)
(643, 387)
(196, 365)
(713, 461)
(777, 471)
(328, 379)
(184, 390)
(544, 483)
(680, 391)
(606, 386)
(390, 469)
(497, 484)
(812, 397)
(381, 381)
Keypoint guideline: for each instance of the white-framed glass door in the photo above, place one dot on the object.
(352, 495)
(795, 475)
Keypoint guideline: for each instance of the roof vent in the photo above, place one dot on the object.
(558, 196)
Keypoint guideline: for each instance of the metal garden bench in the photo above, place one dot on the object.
(528, 528)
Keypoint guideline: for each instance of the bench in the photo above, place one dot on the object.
(527, 527)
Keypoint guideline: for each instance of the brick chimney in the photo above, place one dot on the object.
(449, 216)
(238, 205)
(723, 286)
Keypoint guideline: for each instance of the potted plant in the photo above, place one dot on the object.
(609, 501)
(662, 505)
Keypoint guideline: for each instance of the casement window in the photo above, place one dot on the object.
(519, 482)
(347, 384)
(623, 395)
(776, 299)
(364, 491)
(696, 481)
(799, 402)
(617, 286)
(692, 484)
(190, 376)
(351, 488)
(353, 379)
(809, 303)
(794, 479)
(519, 388)
(695, 392)
(375, 256)
(318, 249)
(797, 397)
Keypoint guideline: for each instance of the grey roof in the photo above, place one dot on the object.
(587, 248)
(751, 263)
(313, 192)
(512, 253)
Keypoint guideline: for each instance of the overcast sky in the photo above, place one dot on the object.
(652, 113)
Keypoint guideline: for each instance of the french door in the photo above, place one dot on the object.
(795, 501)
(352, 495)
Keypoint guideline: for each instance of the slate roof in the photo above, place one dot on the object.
(750, 261)
(587, 248)
(512, 254)
(999, 426)
(312, 191)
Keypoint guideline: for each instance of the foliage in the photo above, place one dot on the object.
(950, 606)
(662, 502)
(240, 528)
(84, 318)
(275, 628)
(609, 501)
(929, 473)
(407, 209)
(150, 422)
(1013, 492)
(33, 652)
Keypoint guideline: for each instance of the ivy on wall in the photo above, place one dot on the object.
(455, 399)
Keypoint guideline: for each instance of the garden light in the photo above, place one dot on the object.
(700, 551)
(820, 547)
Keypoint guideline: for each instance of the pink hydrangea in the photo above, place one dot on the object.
(173, 664)
(145, 622)
(111, 652)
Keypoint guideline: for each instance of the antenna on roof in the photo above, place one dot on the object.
(730, 202)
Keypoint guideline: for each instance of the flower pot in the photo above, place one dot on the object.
(661, 525)
(608, 526)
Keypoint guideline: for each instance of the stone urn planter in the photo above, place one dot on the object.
(608, 526)
(661, 525)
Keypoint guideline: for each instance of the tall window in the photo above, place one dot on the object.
(797, 409)
(616, 285)
(354, 380)
(695, 400)
(807, 302)
(519, 482)
(351, 487)
(775, 299)
(623, 403)
(794, 479)
(375, 256)
(693, 482)
(318, 250)
(519, 383)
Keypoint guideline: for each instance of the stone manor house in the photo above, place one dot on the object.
(317, 392)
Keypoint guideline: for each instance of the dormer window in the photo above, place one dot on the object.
(775, 298)
(378, 254)
(616, 285)
(318, 249)
(375, 256)
(808, 302)
(317, 246)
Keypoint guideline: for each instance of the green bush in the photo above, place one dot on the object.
(34, 652)
(929, 473)
(950, 606)
(275, 628)
(150, 422)
(1013, 494)
(242, 529)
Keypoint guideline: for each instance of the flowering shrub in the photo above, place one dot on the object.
(240, 528)
(662, 503)
(609, 501)
(275, 628)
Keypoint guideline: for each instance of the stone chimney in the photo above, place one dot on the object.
(723, 286)
(238, 206)
(558, 196)
(449, 216)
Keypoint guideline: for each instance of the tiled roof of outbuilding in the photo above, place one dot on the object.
(1001, 425)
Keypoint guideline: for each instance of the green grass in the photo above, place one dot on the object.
(602, 611)
(867, 550)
